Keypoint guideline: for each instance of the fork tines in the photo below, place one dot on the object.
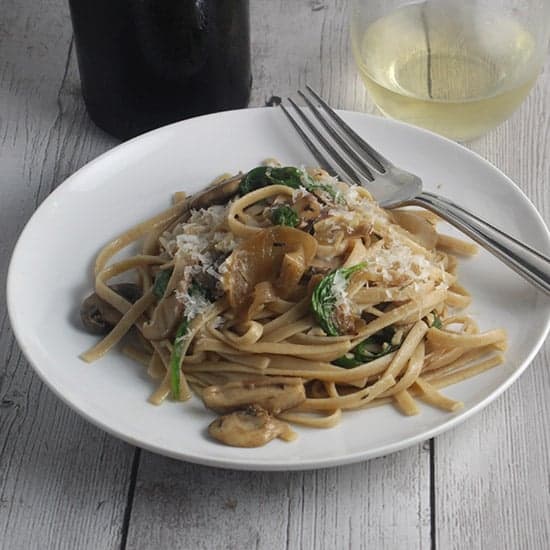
(346, 153)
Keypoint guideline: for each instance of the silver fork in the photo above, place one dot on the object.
(351, 158)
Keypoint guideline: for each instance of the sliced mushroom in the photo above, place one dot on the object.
(207, 281)
(219, 193)
(252, 427)
(293, 267)
(99, 317)
(260, 257)
(264, 293)
(273, 394)
(165, 319)
(168, 312)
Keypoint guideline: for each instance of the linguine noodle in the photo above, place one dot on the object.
(300, 276)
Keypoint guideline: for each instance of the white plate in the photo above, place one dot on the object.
(50, 272)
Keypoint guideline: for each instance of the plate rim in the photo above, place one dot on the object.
(245, 463)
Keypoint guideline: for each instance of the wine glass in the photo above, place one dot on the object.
(457, 68)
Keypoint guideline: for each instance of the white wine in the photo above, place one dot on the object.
(449, 69)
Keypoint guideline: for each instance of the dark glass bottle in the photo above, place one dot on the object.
(145, 63)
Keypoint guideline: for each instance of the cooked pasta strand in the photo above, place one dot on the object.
(299, 291)
(430, 394)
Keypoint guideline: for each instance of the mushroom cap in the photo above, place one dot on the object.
(251, 427)
(277, 254)
(99, 317)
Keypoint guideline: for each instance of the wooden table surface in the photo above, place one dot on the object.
(66, 484)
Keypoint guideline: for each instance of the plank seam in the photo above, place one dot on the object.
(130, 499)
(57, 121)
(433, 530)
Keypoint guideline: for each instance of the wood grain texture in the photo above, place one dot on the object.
(383, 503)
(309, 46)
(66, 484)
(63, 483)
(492, 474)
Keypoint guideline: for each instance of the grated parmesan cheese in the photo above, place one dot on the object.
(194, 303)
(396, 263)
(202, 238)
(339, 291)
(364, 206)
(202, 242)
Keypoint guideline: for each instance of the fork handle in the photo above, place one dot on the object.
(528, 262)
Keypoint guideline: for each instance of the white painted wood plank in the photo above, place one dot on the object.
(63, 483)
(492, 473)
(383, 503)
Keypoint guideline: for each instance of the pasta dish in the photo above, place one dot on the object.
(285, 296)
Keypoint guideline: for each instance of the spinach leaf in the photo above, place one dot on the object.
(285, 215)
(286, 175)
(323, 299)
(436, 323)
(175, 358)
(368, 350)
(267, 175)
(161, 282)
(347, 361)
(195, 289)
(326, 187)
